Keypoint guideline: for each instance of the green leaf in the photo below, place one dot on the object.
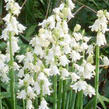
(30, 31)
(42, 2)
(89, 104)
(101, 101)
(104, 98)
(4, 95)
(94, 2)
(2, 46)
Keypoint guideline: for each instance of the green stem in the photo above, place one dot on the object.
(96, 76)
(79, 104)
(55, 92)
(73, 100)
(12, 76)
(23, 104)
(35, 78)
(41, 93)
(68, 100)
(64, 95)
(36, 103)
(81, 100)
(60, 94)
(73, 94)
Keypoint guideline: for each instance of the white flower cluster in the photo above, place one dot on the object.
(82, 60)
(12, 28)
(55, 47)
(4, 68)
(53, 44)
(50, 46)
(33, 78)
(100, 26)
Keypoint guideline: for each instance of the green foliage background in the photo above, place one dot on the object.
(34, 11)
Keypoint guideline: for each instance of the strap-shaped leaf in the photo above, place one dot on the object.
(101, 101)
(104, 98)
(89, 104)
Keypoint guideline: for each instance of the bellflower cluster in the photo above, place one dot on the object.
(12, 28)
(4, 68)
(101, 26)
(53, 42)
(58, 48)
(33, 79)
(82, 53)
(49, 45)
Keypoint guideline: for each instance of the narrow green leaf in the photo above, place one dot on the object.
(42, 2)
(94, 2)
(89, 104)
(104, 98)
(101, 101)
(30, 31)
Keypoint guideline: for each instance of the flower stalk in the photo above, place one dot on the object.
(73, 100)
(79, 104)
(64, 94)
(81, 99)
(97, 76)
(59, 106)
(12, 75)
(41, 93)
(23, 104)
(69, 96)
(55, 92)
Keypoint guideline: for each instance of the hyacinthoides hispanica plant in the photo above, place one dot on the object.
(100, 26)
(54, 72)
(12, 28)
